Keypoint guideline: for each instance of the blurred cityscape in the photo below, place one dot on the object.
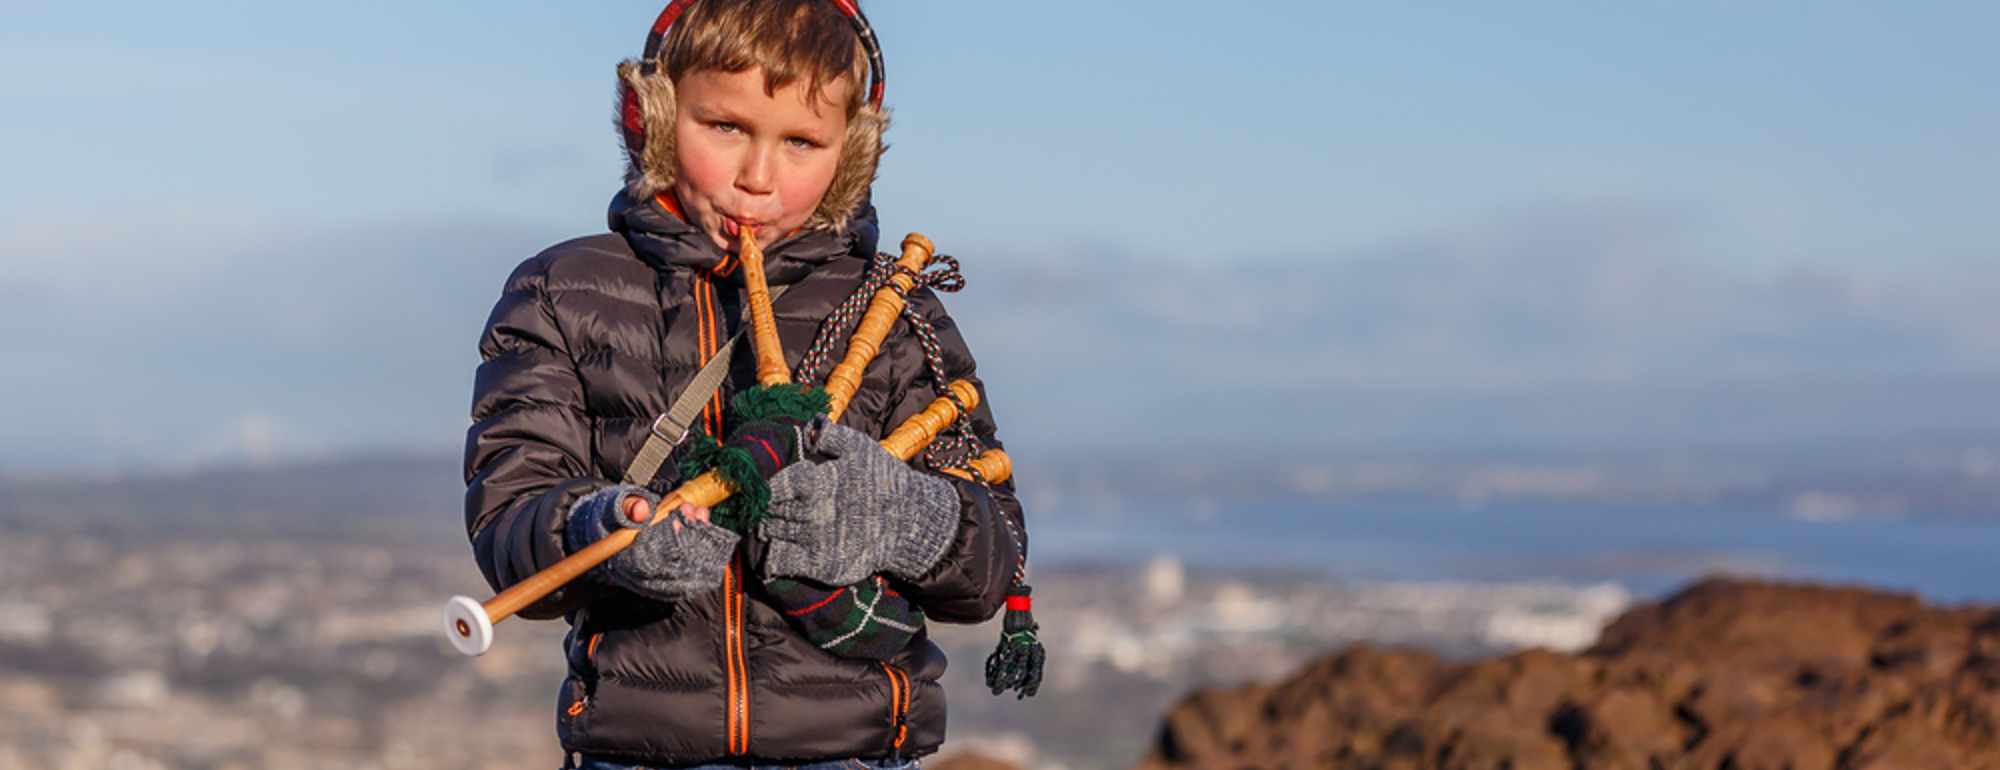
(137, 652)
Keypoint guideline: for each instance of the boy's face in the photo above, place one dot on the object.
(748, 159)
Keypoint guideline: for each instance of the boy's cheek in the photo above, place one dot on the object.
(701, 170)
(802, 189)
(698, 178)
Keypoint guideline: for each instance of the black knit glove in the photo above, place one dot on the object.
(666, 562)
(851, 510)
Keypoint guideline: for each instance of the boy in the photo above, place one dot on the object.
(755, 114)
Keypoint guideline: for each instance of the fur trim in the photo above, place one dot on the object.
(858, 159)
(649, 167)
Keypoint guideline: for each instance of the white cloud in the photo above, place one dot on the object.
(1547, 327)
(178, 337)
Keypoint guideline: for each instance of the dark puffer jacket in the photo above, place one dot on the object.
(590, 341)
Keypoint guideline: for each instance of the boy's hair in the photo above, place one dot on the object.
(808, 42)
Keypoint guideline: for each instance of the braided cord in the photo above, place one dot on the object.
(840, 323)
(958, 445)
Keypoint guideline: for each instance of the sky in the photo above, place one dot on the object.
(194, 196)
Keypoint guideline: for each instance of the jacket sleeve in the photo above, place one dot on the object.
(968, 585)
(526, 455)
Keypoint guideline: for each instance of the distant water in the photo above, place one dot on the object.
(1650, 551)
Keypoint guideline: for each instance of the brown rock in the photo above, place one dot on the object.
(1624, 727)
(1214, 723)
(970, 762)
(1725, 674)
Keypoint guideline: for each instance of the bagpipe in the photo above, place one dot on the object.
(1015, 664)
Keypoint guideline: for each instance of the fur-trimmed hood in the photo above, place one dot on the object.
(648, 102)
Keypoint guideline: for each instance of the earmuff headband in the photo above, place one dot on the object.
(654, 39)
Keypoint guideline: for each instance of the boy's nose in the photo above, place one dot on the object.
(758, 172)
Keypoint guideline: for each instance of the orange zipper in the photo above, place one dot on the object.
(899, 705)
(708, 335)
(708, 339)
(738, 717)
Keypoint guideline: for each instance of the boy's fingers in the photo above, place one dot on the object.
(694, 512)
(637, 510)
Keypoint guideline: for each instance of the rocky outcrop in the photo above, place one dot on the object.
(1725, 675)
(970, 762)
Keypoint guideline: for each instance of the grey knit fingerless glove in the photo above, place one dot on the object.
(665, 562)
(851, 510)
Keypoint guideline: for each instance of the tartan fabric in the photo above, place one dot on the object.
(864, 620)
(747, 461)
(763, 424)
(772, 444)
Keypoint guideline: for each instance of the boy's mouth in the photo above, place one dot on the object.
(733, 227)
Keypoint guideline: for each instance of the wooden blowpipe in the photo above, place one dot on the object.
(771, 368)
(469, 623)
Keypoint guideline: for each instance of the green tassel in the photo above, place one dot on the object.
(750, 494)
(770, 402)
(1016, 664)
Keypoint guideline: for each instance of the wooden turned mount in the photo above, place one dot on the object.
(993, 465)
(916, 433)
(883, 310)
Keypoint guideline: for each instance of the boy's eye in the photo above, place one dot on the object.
(727, 127)
(802, 143)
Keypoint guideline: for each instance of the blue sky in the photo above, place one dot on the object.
(1851, 133)
(160, 159)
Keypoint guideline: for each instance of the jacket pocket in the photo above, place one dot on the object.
(571, 707)
(581, 684)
